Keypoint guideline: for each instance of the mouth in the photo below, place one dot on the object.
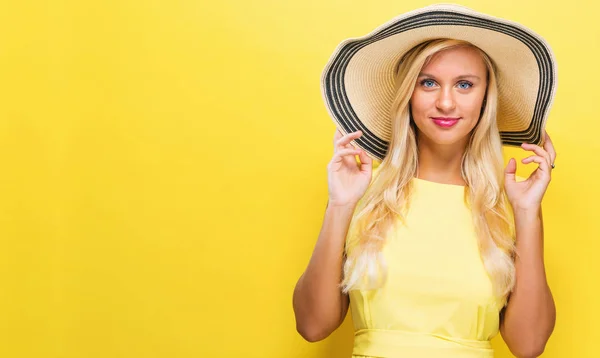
(445, 122)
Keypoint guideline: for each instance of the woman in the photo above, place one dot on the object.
(440, 247)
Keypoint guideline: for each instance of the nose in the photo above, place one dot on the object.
(445, 101)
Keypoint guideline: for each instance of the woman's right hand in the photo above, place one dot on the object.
(348, 181)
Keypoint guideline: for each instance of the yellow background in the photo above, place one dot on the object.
(164, 172)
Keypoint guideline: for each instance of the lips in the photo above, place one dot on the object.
(445, 122)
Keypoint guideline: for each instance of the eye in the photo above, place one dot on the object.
(465, 85)
(428, 83)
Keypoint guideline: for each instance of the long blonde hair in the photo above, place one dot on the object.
(388, 195)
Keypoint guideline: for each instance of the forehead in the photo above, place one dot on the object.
(456, 61)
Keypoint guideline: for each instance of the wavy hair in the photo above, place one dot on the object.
(387, 198)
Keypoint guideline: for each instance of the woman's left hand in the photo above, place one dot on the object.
(528, 194)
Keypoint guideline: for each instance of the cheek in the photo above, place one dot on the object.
(471, 107)
(420, 104)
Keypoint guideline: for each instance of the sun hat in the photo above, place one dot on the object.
(357, 83)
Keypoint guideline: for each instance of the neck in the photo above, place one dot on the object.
(440, 163)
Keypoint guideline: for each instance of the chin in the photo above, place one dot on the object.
(449, 141)
(447, 138)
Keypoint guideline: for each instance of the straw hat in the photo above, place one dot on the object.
(358, 81)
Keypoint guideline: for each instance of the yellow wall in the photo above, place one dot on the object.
(164, 172)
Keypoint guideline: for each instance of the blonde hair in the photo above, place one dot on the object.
(388, 195)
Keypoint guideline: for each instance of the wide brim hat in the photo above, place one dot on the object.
(358, 85)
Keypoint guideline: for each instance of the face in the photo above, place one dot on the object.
(448, 96)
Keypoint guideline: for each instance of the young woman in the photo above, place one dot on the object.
(439, 247)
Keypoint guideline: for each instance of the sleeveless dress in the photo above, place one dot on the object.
(437, 300)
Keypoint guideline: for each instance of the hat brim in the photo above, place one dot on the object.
(358, 81)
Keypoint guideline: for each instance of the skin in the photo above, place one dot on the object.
(452, 84)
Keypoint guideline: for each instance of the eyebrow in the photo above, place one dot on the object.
(457, 78)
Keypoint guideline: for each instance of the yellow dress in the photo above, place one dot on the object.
(437, 300)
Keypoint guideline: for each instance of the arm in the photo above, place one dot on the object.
(528, 319)
(319, 304)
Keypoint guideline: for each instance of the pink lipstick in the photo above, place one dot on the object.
(445, 122)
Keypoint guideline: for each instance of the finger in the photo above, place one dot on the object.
(543, 162)
(340, 154)
(365, 161)
(337, 135)
(549, 147)
(510, 170)
(345, 140)
(537, 150)
(530, 159)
